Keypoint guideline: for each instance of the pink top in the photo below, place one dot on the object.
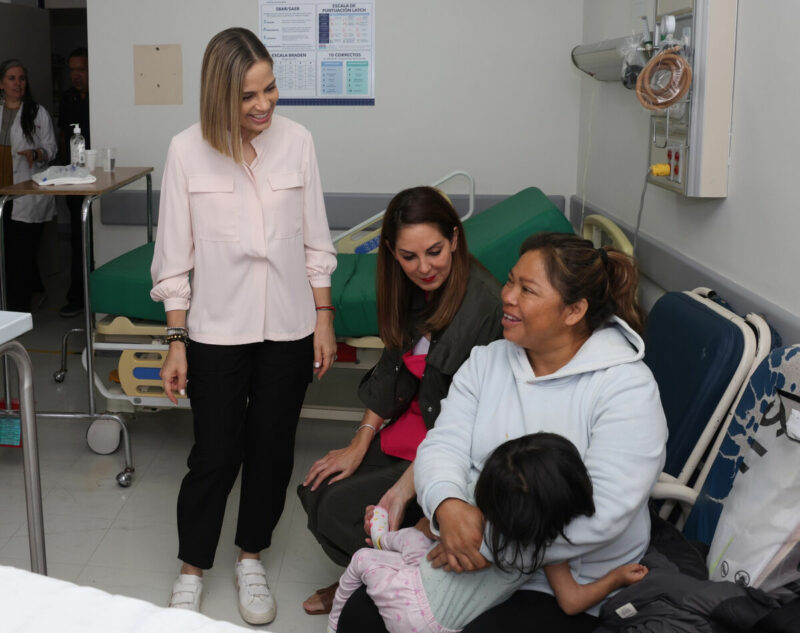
(404, 435)
(255, 238)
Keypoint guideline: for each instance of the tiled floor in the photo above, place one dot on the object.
(124, 540)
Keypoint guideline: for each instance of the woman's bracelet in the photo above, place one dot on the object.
(183, 338)
(326, 308)
(177, 330)
(367, 426)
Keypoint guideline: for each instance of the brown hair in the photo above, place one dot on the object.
(29, 106)
(418, 205)
(228, 57)
(607, 278)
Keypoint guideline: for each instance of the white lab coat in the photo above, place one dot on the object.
(32, 208)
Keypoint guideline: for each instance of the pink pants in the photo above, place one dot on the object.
(393, 582)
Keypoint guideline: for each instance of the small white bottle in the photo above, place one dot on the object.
(378, 525)
(77, 147)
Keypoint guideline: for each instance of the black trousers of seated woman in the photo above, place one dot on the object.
(336, 512)
(524, 611)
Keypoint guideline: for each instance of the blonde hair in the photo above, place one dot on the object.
(228, 57)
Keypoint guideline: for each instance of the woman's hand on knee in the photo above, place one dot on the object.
(173, 372)
(460, 537)
(341, 462)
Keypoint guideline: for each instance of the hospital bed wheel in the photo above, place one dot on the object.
(59, 376)
(102, 436)
(125, 478)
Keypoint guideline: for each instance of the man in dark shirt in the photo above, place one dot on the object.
(74, 108)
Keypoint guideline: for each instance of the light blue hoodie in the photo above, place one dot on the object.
(605, 401)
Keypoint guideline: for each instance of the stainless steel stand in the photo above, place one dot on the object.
(30, 454)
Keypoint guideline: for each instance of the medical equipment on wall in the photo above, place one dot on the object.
(601, 60)
(693, 135)
(682, 72)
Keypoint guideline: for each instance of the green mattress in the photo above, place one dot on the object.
(495, 235)
(122, 286)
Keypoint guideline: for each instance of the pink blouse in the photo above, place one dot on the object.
(254, 238)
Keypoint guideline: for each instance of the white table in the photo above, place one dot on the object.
(13, 324)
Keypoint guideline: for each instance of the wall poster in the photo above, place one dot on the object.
(324, 52)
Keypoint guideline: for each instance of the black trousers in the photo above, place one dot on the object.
(524, 611)
(21, 244)
(336, 512)
(246, 402)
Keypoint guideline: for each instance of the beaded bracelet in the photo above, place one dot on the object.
(177, 330)
(177, 337)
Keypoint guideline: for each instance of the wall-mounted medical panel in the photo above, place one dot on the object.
(698, 127)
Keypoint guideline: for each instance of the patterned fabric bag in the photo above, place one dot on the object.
(757, 539)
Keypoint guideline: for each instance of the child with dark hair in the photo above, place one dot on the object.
(529, 489)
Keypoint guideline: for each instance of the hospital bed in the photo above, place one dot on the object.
(603, 232)
(134, 326)
(32, 603)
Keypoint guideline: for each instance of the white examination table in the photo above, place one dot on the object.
(32, 603)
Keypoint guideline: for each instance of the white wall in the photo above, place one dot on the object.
(749, 237)
(460, 84)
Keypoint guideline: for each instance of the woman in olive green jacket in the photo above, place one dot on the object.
(435, 303)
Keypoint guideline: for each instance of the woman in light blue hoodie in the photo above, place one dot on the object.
(570, 363)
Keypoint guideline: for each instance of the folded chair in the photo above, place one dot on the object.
(700, 354)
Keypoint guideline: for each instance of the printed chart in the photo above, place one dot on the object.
(324, 52)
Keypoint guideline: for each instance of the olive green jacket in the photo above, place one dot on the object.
(389, 387)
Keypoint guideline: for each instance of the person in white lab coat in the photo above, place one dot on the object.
(27, 145)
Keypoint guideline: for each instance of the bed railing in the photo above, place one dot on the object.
(364, 236)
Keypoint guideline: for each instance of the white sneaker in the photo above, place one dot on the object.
(256, 603)
(186, 592)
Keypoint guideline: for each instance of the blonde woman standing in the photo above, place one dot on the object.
(242, 262)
